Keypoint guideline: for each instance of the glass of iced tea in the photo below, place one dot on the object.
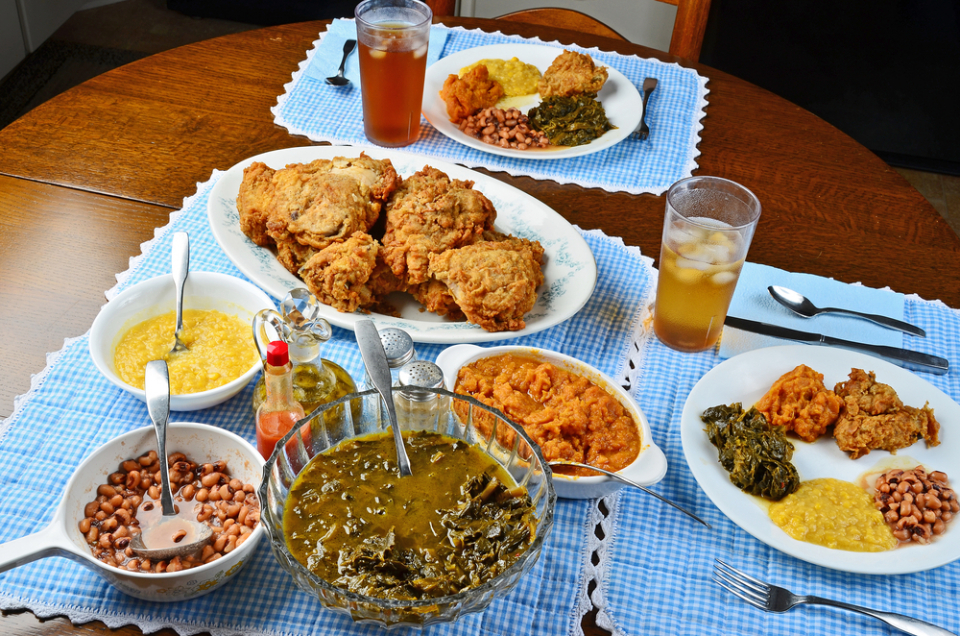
(393, 37)
(708, 227)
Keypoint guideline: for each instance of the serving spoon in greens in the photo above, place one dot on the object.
(375, 359)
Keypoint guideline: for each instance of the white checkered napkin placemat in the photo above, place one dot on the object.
(71, 410)
(657, 575)
(321, 112)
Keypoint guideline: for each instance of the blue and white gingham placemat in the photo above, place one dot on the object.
(656, 577)
(322, 112)
(71, 410)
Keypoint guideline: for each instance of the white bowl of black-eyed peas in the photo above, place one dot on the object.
(213, 470)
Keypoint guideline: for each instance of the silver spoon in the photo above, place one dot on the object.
(375, 359)
(799, 304)
(180, 262)
(193, 534)
(629, 482)
(339, 79)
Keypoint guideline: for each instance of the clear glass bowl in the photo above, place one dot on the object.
(363, 413)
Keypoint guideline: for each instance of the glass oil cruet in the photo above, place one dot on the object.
(316, 380)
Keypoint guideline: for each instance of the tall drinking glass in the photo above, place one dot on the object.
(393, 37)
(707, 230)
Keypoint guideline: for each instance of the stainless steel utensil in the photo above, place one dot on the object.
(375, 359)
(339, 79)
(180, 262)
(772, 598)
(630, 482)
(194, 535)
(649, 85)
(911, 359)
(800, 305)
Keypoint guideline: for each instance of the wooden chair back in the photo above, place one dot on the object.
(688, 29)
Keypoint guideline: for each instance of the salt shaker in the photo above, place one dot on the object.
(398, 345)
(420, 408)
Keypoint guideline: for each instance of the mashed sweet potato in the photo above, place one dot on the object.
(800, 402)
(570, 417)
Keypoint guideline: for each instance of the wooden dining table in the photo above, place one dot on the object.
(88, 176)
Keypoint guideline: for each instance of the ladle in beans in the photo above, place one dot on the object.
(170, 535)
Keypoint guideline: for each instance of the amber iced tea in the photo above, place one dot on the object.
(708, 227)
(393, 36)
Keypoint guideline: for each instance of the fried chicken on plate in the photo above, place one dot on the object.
(303, 208)
(349, 275)
(572, 73)
(874, 417)
(493, 283)
(429, 214)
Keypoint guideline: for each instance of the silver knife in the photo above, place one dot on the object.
(913, 359)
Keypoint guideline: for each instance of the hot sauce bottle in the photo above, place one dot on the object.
(279, 412)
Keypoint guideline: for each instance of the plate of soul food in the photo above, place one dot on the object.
(445, 253)
(857, 471)
(560, 102)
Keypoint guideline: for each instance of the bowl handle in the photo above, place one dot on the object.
(48, 542)
(649, 468)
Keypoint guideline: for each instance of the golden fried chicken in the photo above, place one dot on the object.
(436, 298)
(473, 92)
(572, 73)
(800, 402)
(429, 214)
(873, 417)
(313, 204)
(253, 202)
(493, 283)
(348, 275)
(328, 200)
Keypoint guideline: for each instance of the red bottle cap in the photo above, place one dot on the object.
(277, 354)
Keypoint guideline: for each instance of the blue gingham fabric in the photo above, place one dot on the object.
(322, 112)
(71, 410)
(657, 577)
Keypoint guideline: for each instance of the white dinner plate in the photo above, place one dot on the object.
(745, 378)
(570, 270)
(620, 98)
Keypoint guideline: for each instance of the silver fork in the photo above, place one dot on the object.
(772, 598)
(643, 131)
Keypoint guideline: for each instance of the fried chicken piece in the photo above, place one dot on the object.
(293, 255)
(429, 214)
(473, 92)
(493, 283)
(328, 200)
(348, 275)
(435, 297)
(253, 202)
(572, 73)
(874, 417)
(801, 403)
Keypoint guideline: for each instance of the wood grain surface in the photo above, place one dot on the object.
(91, 173)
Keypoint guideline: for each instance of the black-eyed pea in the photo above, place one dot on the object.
(905, 508)
(903, 487)
(233, 530)
(233, 510)
(174, 458)
(929, 516)
(93, 535)
(85, 524)
(202, 495)
(145, 481)
(212, 558)
(249, 488)
(219, 544)
(156, 476)
(939, 526)
(205, 513)
(106, 540)
(132, 479)
(145, 565)
(243, 537)
(122, 531)
(214, 494)
(107, 507)
(242, 515)
(161, 566)
(239, 496)
(917, 487)
(174, 565)
(946, 515)
(188, 491)
(236, 484)
(91, 508)
(116, 478)
(207, 552)
(908, 497)
(109, 524)
(116, 501)
(106, 490)
(128, 552)
(933, 502)
(144, 461)
(884, 487)
(154, 492)
(231, 545)
(955, 506)
(244, 530)
(939, 476)
(100, 516)
(121, 543)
